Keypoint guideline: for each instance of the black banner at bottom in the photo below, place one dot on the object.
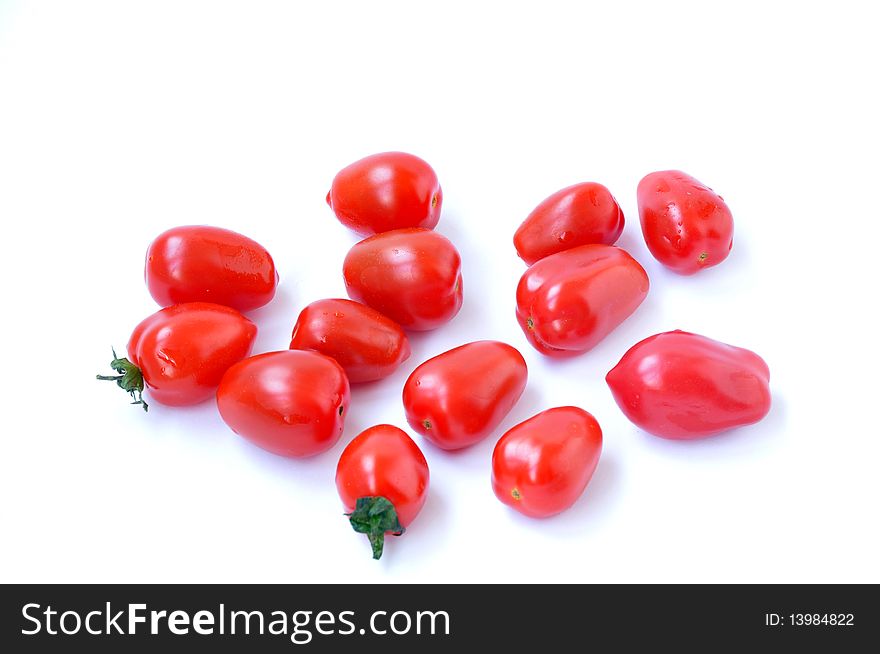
(277, 618)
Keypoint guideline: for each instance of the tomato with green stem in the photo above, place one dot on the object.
(382, 479)
(180, 353)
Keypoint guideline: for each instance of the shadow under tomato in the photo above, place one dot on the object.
(428, 532)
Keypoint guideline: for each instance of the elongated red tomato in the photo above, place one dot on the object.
(683, 386)
(199, 263)
(382, 478)
(179, 354)
(687, 226)
(459, 397)
(367, 344)
(386, 191)
(291, 403)
(541, 466)
(577, 215)
(569, 301)
(413, 276)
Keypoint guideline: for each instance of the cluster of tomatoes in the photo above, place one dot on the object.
(404, 276)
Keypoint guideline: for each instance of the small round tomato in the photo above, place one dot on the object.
(687, 226)
(459, 397)
(566, 303)
(382, 478)
(291, 403)
(577, 215)
(541, 466)
(413, 276)
(199, 263)
(368, 345)
(386, 191)
(684, 386)
(179, 354)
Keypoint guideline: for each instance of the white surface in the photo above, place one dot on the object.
(118, 120)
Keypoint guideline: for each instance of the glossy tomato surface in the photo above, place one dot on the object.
(367, 344)
(292, 403)
(382, 463)
(199, 263)
(567, 302)
(182, 351)
(577, 215)
(386, 191)
(686, 225)
(683, 386)
(459, 397)
(413, 276)
(541, 466)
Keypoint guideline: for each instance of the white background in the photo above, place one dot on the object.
(120, 119)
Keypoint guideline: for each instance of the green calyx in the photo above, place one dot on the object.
(130, 379)
(374, 516)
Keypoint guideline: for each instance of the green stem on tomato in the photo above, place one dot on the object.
(130, 378)
(374, 516)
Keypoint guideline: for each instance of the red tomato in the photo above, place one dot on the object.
(687, 226)
(576, 215)
(566, 303)
(291, 403)
(542, 466)
(365, 343)
(180, 353)
(684, 386)
(413, 276)
(459, 397)
(384, 192)
(382, 479)
(199, 263)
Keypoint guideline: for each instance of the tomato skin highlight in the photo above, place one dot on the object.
(368, 345)
(292, 403)
(686, 225)
(413, 276)
(569, 301)
(576, 215)
(200, 263)
(184, 350)
(541, 466)
(459, 397)
(386, 191)
(383, 461)
(680, 385)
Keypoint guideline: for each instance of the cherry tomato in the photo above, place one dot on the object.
(199, 263)
(687, 226)
(541, 466)
(382, 478)
(459, 397)
(180, 353)
(576, 215)
(569, 301)
(365, 343)
(413, 276)
(386, 191)
(683, 386)
(291, 403)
